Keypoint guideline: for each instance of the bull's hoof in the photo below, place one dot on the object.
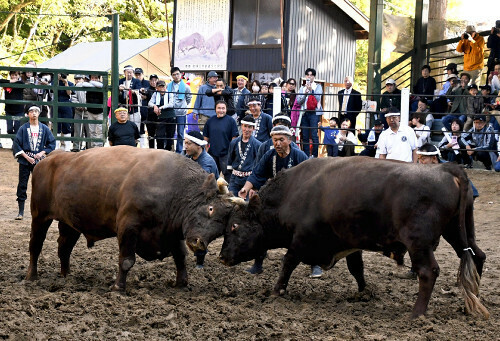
(181, 284)
(117, 288)
(278, 292)
(31, 277)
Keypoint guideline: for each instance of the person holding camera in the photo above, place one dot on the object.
(494, 46)
(471, 45)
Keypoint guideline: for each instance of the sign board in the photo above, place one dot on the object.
(201, 34)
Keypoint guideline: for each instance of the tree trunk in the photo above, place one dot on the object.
(436, 32)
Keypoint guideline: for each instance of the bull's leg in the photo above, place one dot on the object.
(290, 262)
(39, 228)
(127, 242)
(425, 265)
(67, 240)
(356, 268)
(179, 254)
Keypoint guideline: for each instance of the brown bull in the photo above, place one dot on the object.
(151, 200)
(390, 206)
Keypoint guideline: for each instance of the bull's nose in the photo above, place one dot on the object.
(196, 244)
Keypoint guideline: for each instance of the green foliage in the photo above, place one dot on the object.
(39, 37)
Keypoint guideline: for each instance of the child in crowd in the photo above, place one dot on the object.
(421, 130)
(475, 105)
(330, 134)
(123, 132)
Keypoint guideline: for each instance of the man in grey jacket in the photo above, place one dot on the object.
(182, 98)
(204, 105)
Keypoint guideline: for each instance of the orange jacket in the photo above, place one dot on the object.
(473, 53)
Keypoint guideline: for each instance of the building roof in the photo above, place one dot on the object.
(361, 21)
(149, 54)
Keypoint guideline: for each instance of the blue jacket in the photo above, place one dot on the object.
(241, 107)
(204, 104)
(46, 142)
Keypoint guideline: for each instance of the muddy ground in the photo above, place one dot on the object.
(227, 303)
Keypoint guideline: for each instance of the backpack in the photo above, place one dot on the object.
(311, 103)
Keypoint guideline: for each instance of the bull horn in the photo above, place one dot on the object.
(222, 184)
(237, 201)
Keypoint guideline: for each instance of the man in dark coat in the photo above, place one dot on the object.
(350, 103)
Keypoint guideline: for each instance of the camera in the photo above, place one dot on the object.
(466, 36)
(64, 76)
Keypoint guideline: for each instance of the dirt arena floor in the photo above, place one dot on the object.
(224, 303)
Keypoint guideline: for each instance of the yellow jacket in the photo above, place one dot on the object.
(473, 53)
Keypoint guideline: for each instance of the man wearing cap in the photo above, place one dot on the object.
(242, 155)
(129, 94)
(80, 129)
(390, 98)
(268, 145)
(139, 74)
(350, 106)
(204, 105)
(218, 132)
(123, 132)
(162, 103)
(398, 142)
(263, 121)
(182, 98)
(457, 100)
(240, 94)
(370, 138)
(33, 142)
(481, 139)
(471, 45)
(151, 122)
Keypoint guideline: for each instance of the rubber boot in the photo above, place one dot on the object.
(143, 141)
(200, 258)
(67, 144)
(20, 215)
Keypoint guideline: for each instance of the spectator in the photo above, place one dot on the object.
(129, 94)
(309, 98)
(398, 142)
(123, 132)
(494, 45)
(143, 109)
(471, 45)
(270, 100)
(14, 112)
(218, 132)
(350, 106)
(329, 140)
(222, 92)
(458, 102)
(64, 96)
(451, 70)
(423, 107)
(194, 146)
(453, 141)
(257, 92)
(263, 122)
(494, 80)
(80, 129)
(240, 95)
(95, 97)
(390, 98)
(481, 139)
(425, 85)
(440, 104)
(242, 155)
(422, 132)
(152, 121)
(370, 138)
(475, 105)
(29, 94)
(33, 142)
(268, 145)
(162, 103)
(290, 95)
(204, 105)
(346, 139)
(490, 105)
(182, 98)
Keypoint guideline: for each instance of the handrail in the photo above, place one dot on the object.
(401, 59)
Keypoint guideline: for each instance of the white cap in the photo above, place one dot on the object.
(451, 76)
(390, 81)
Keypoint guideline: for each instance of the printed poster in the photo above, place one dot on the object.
(201, 34)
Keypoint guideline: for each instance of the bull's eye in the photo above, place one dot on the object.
(210, 210)
(234, 227)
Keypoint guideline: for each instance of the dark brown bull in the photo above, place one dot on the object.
(151, 200)
(390, 206)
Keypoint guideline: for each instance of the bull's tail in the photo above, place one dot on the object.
(468, 278)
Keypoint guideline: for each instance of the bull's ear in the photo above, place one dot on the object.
(209, 187)
(254, 202)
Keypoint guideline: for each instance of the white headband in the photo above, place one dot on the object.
(248, 123)
(254, 102)
(128, 67)
(34, 108)
(392, 114)
(428, 153)
(282, 117)
(196, 140)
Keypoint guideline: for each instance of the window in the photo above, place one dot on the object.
(256, 22)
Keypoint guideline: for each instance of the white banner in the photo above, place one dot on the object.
(201, 34)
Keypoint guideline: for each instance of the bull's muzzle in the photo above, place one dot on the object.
(196, 244)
